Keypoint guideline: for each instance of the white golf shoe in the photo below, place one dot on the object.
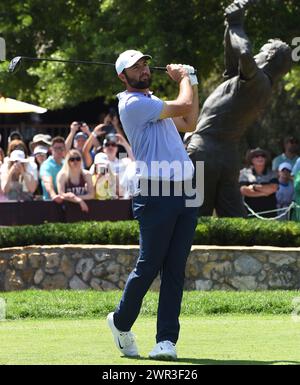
(164, 350)
(125, 341)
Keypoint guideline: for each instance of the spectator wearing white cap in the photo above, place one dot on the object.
(40, 140)
(18, 183)
(40, 154)
(105, 180)
(285, 192)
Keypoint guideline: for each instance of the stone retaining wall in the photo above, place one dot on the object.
(107, 267)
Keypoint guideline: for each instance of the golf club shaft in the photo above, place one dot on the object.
(155, 68)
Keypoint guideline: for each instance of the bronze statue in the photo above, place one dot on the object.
(231, 108)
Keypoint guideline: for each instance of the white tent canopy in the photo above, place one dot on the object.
(12, 106)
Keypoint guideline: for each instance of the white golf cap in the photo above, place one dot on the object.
(128, 58)
(285, 165)
(101, 158)
(18, 156)
(40, 150)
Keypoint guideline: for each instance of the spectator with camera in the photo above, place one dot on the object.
(112, 123)
(18, 181)
(74, 184)
(105, 181)
(79, 133)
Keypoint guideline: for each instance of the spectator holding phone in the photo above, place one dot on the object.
(79, 133)
(74, 184)
(105, 181)
(18, 183)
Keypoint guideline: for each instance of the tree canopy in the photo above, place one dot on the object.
(185, 31)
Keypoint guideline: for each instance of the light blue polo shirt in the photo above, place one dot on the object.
(49, 168)
(156, 143)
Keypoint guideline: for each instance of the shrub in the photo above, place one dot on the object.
(209, 231)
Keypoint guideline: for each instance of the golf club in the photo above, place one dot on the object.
(15, 63)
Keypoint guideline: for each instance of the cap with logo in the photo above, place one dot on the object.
(128, 58)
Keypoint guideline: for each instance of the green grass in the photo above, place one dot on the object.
(69, 304)
(69, 327)
(247, 339)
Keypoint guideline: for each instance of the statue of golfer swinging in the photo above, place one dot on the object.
(231, 108)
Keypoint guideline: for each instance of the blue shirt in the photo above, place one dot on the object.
(156, 143)
(283, 158)
(49, 168)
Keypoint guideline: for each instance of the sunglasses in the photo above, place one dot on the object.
(111, 145)
(59, 148)
(75, 159)
(259, 156)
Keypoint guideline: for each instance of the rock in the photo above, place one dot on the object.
(126, 259)
(261, 276)
(203, 284)
(280, 260)
(198, 256)
(84, 267)
(13, 281)
(113, 268)
(19, 261)
(36, 260)
(246, 265)
(102, 257)
(52, 262)
(213, 256)
(96, 284)
(262, 286)
(244, 283)
(101, 284)
(27, 275)
(193, 269)
(99, 271)
(286, 277)
(214, 270)
(53, 282)
(3, 265)
(261, 258)
(67, 266)
(38, 276)
(77, 284)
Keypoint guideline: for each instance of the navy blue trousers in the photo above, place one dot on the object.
(167, 229)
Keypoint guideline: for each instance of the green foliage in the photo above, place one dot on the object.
(41, 304)
(170, 30)
(209, 231)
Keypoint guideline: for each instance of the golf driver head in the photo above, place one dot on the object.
(15, 64)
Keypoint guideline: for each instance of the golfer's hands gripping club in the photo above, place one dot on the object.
(177, 72)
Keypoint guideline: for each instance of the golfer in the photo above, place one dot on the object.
(166, 224)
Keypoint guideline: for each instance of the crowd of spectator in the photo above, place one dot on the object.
(99, 164)
(269, 187)
(87, 164)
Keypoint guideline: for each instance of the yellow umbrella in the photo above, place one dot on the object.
(12, 106)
